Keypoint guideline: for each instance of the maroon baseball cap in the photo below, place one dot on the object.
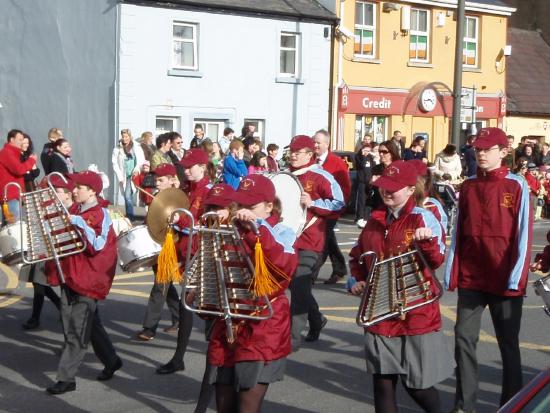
(421, 167)
(396, 176)
(302, 142)
(194, 157)
(488, 137)
(88, 178)
(254, 189)
(165, 169)
(57, 182)
(220, 195)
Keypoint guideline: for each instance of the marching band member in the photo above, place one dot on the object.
(414, 348)
(165, 178)
(194, 164)
(322, 197)
(243, 370)
(489, 264)
(88, 278)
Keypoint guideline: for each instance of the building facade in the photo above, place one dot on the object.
(181, 66)
(394, 68)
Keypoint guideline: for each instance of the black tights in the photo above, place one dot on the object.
(38, 300)
(245, 401)
(384, 395)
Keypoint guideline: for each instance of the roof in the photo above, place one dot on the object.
(483, 6)
(308, 10)
(528, 73)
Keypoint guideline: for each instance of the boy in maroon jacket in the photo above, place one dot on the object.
(88, 278)
(489, 263)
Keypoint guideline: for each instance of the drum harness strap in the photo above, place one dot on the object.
(299, 172)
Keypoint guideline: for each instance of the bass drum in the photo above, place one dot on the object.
(136, 249)
(289, 190)
(542, 288)
(10, 243)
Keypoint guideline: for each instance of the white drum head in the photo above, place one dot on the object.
(289, 190)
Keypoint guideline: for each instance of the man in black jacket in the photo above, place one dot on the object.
(364, 161)
(47, 151)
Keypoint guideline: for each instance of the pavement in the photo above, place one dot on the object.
(325, 376)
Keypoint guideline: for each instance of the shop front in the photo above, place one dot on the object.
(424, 110)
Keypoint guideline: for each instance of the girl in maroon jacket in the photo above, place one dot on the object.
(412, 348)
(244, 369)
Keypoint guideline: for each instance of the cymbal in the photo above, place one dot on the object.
(164, 203)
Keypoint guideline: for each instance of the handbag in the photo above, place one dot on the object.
(149, 180)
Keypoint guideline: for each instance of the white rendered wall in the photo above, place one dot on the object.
(239, 63)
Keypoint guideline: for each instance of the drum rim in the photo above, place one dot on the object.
(146, 257)
(130, 230)
(10, 256)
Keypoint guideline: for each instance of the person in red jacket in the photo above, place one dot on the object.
(88, 278)
(244, 369)
(13, 170)
(412, 348)
(323, 198)
(489, 264)
(194, 164)
(339, 170)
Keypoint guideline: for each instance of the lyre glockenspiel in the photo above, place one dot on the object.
(221, 274)
(396, 286)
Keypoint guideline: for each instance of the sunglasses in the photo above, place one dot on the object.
(383, 151)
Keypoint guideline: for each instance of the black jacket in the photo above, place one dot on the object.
(363, 166)
(46, 156)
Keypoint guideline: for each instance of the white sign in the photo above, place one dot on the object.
(466, 104)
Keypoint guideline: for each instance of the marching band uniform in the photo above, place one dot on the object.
(88, 278)
(489, 264)
(413, 348)
(327, 199)
(197, 193)
(258, 354)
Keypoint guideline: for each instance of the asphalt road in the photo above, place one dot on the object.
(325, 376)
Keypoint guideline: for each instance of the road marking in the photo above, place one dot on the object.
(4, 302)
(131, 293)
(347, 243)
(13, 278)
(133, 275)
(134, 283)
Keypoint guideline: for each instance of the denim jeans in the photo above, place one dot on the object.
(129, 199)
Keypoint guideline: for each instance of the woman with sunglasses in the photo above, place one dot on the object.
(388, 153)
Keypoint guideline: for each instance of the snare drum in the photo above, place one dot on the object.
(542, 288)
(10, 243)
(136, 249)
(289, 190)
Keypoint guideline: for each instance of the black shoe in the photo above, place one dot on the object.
(31, 324)
(62, 387)
(108, 372)
(170, 367)
(334, 278)
(313, 335)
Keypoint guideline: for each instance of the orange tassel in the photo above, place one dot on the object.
(7, 214)
(264, 282)
(168, 268)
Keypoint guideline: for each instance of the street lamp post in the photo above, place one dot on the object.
(457, 87)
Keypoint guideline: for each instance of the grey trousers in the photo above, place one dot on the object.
(159, 294)
(81, 324)
(303, 305)
(506, 316)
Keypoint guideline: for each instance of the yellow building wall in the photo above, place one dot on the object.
(392, 68)
(522, 126)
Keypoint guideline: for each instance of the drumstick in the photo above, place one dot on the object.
(144, 191)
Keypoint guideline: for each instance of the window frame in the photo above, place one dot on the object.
(194, 41)
(298, 52)
(365, 27)
(206, 123)
(467, 40)
(427, 33)
(176, 121)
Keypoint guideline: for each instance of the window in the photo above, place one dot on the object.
(213, 128)
(185, 54)
(377, 126)
(289, 55)
(365, 29)
(165, 124)
(471, 35)
(259, 124)
(420, 36)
